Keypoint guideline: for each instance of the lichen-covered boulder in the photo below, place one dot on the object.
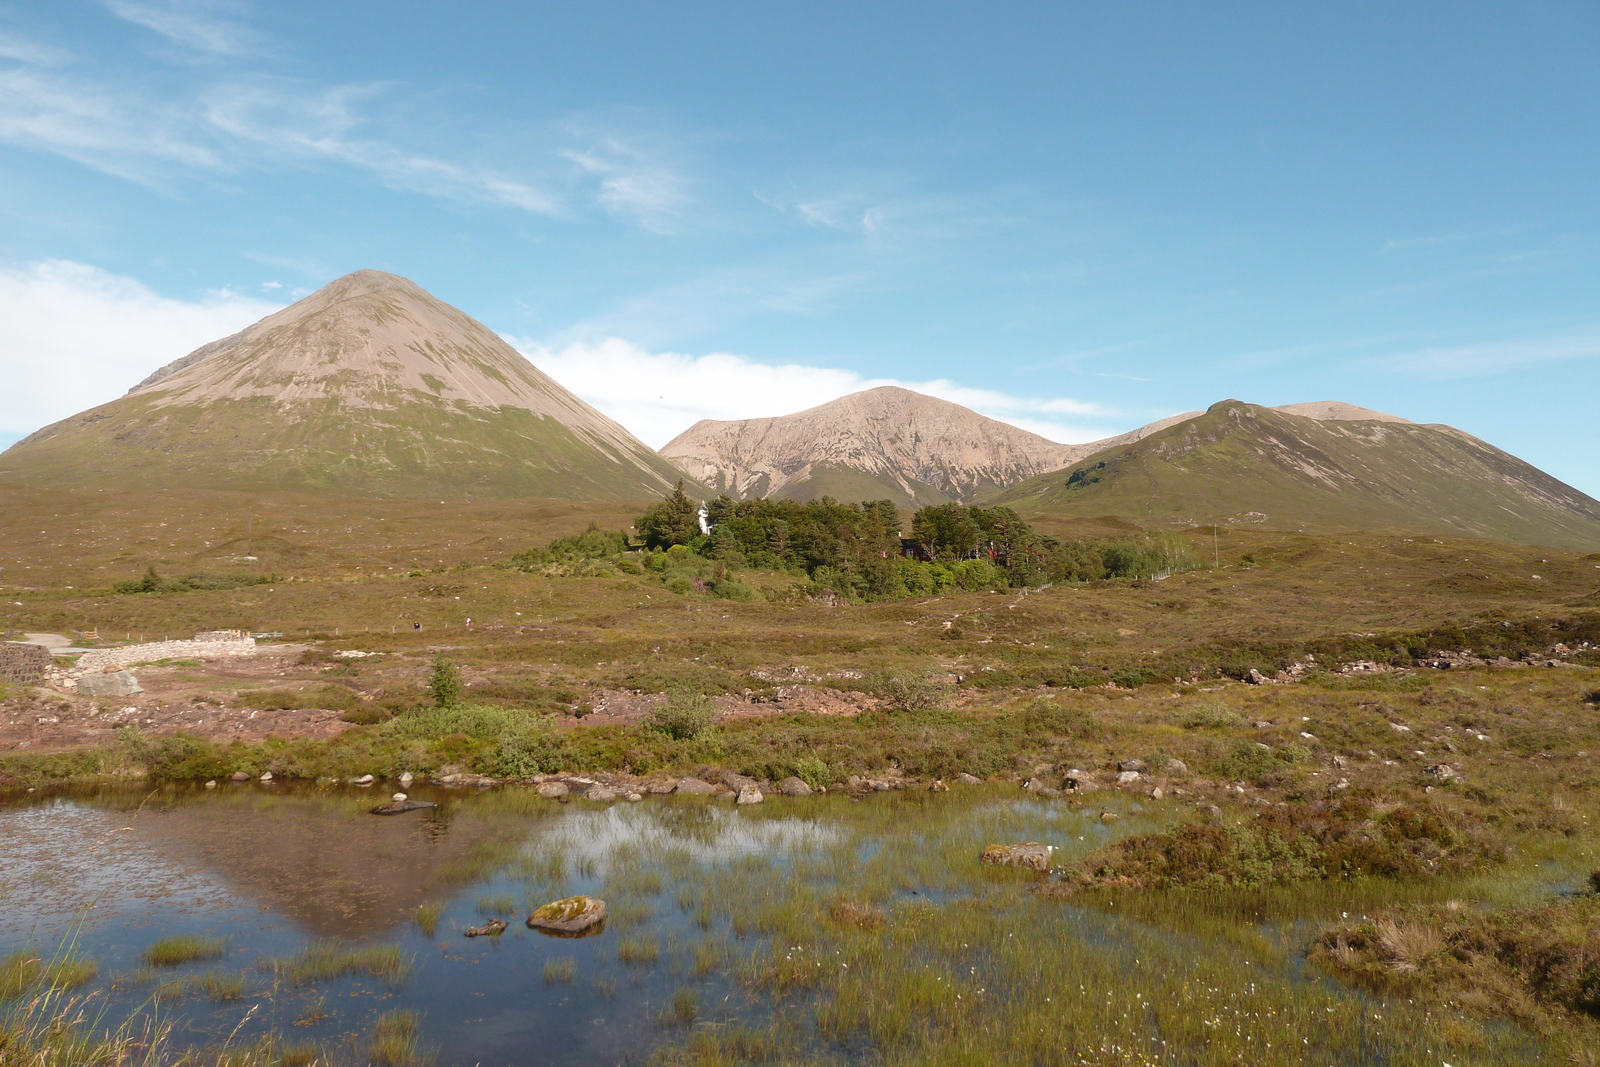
(574, 915)
(1028, 854)
(794, 787)
(695, 787)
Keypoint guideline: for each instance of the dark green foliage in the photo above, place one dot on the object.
(154, 583)
(1592, 697)
(593, 543)
(685, 716)
(444, 683)
(674, 521)
(179, 757)
(524, 755)
(1045, 718)
(1132, 677)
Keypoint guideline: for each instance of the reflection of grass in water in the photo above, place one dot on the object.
(605, 988)
(1003, 973)
(427, 917)
(627, 914)
(560, 969)
(642, 951)
(22, 971)
(184, 948)
(496, 905)
(394, 1041)
(324, 961)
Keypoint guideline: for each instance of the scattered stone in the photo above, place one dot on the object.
(574, 915)
(492, 928)
(1157, 793)
(581, 783)
(738, 783)
(750, 795)
(1262, 724)
(1340, 762)
(1255, 677)
(600, 792)
(794, 787)
(1128, 777)
(239, 776)
(938, 786)
(266, 776)
(1137, 765)
(1177, 766)
(1442, 771)
(1399, 729)
(968, 779)
(407, 778)
(1343, 783)
(365, 779)
(632, 797)
(694, 787)
(551, 790)
(1028, 854)
(663, 785)
(1108, 816)
(1078, 782)
(211, 784)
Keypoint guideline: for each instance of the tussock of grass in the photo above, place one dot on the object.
(184, 948)
(683, 1010)
(560, 969)
(326, 961)
(640, 951)
(394, 1041)
(496, 905)
(427, 917)
(25, 970)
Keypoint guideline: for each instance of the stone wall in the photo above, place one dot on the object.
(98, 659)
(24, 664)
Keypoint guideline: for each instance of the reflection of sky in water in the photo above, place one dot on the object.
(706, 832)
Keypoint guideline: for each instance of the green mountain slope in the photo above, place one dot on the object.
(1239, 463)
(370, 386)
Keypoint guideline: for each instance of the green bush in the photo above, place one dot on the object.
(1210, 716)
(152, 582)
(479, 721)
(444, 683)
(1046, 718)
(1132, 677)
(904, 690)
(685, 716)
(1246, 761)
(525, 755)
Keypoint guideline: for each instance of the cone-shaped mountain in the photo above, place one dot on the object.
(368, 386)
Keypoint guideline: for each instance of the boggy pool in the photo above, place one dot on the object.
(291, 922)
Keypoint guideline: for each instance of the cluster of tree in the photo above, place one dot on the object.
(151, 582)
(858, 549)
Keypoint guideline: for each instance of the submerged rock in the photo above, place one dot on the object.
(400, 807)
(365, 779)
(492, 928)
(794, 787)
(750, 795)
(1030, 854)
(551, 790)
(599, 792)
(574, 915)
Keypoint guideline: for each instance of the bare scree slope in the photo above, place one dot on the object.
(368, 386)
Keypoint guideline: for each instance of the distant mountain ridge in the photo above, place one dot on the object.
(370, 386)
(883, 443)
(1335, 467)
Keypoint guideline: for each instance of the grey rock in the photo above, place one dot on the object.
(573, 915)
(1157, 793)
(1442, 771)
(1177, 766)
(1077, 781)
(365, 779)
(969, 779)
(752, 795)
(551, 790)
(400, 807)
(115, 684)
(632, 798)
(492, 928)
(794, 787)
(1128, 777)
(239, 776)
(1030, 854)
(1137, 765)
(694, 787)
(599, 792)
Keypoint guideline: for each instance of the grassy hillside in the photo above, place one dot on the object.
(426, 448)
(1239, 464)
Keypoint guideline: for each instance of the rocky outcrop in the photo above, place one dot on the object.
(574, 915)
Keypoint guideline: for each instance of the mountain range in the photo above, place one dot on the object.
(373, 387)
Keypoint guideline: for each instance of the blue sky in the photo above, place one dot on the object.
(1076, 217)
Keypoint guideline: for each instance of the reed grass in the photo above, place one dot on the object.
(326, 961)
(638, 951)
(500, 905)
(395, 1041)
(560, 969)
(683, 1010)
(184, 948)
(427, 917)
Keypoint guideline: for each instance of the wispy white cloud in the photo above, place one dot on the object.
(636, 177)
(73, 336)
(658, 395)
(1482, 360)
(212, 26)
